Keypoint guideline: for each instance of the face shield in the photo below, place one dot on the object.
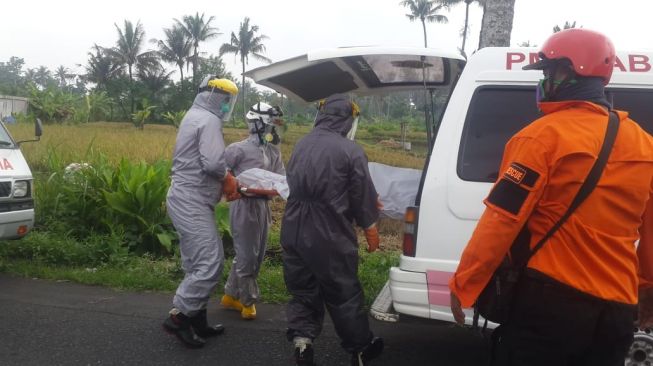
(223, 92)
(355, 112)
(227, 107)
(352, 132)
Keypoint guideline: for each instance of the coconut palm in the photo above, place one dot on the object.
(63, 73)
(129, 51)
(43, 76)
(467, 4)
(101, 67)
(246, 43)
(425, 10)
(30, 76)
(197, 30)
(567, 25)
(175, 48)
(497, 23)
(154, 78)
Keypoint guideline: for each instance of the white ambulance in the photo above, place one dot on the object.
(16, 187)
(492, 98)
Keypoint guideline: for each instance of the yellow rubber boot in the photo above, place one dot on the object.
(229, 302)
(248, 312)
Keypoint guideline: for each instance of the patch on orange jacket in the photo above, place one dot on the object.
(512, 190)
(526, 175)
(515, 173)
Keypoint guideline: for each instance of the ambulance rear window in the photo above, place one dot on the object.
(637, 102)
(498, 112)
(495, 114)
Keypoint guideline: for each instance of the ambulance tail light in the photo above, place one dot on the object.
(410, 230)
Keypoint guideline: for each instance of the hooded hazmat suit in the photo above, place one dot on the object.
(198, 168)
(330, 188)
(249, 217)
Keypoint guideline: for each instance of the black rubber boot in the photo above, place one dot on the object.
(202, 328)
(304, 357)
(180, 325)
(370, 352)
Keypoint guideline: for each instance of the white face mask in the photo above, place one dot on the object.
(352, 132)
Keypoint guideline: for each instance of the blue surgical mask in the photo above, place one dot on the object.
(225, 108)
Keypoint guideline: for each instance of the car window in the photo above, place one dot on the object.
(498, 112)
(5, 140)
(494, 115)
(638, 104)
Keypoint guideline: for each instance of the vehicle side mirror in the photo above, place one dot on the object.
(38, 128)
(38, 131)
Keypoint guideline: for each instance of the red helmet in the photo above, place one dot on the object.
(591, 53)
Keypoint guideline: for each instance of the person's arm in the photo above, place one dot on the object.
(523, 176)
(362, 194)
(363, 200)
(211, 148)
(232, 156)
(277, 162)
(645, 258)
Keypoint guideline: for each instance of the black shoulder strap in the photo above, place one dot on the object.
(590, 182)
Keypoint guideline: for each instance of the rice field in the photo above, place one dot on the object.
(75, 143)
(80, 143)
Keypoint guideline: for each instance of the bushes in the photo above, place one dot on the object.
(47, 248)
(127, 201)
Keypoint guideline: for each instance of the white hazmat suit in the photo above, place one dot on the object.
(250, 217)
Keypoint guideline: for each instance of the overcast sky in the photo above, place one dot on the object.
(61, 32)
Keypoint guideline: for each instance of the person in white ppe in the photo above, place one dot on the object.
(199, 179)
(250, 216)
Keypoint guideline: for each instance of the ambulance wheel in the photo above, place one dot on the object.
(641, 351)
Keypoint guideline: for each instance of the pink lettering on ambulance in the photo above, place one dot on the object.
(514, 58)
(534, 57)
(620, 65)
(639, 63)
(6, 165)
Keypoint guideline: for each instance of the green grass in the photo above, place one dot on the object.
(135, 273)
(58, 257)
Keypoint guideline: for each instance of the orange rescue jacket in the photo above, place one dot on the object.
(543, 167)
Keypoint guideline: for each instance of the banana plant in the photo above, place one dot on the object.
(140, 117)
(174, 117)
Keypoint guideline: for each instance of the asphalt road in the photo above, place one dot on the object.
(59, 323)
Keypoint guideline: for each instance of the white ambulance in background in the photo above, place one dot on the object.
(16, 186)
(491, 99)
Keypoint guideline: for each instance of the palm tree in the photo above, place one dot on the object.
(101, 67)
(425, 10)
(154, 78)
(30, 76)
(63, 73)
(197, 30)
(567, 25)
(497, 23)
(43, 76)
(467, 4)
(128, 51)
(246, 43)
(175, 48)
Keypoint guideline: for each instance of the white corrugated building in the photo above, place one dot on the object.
(11, 105)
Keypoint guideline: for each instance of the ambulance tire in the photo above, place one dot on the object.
(641, 351)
